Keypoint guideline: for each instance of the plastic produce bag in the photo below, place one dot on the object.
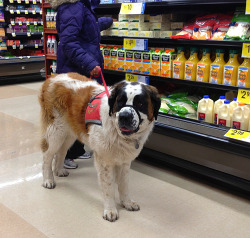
(221, 27)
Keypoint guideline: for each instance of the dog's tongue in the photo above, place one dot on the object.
(125, 129)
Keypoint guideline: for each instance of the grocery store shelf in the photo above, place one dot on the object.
(46, 5)
(16, 60)
(160, 42)
(18, 12)
(23, 34)
(180, 81)
(26, 23)
(25, 1)
(50, 31)
(25, 46)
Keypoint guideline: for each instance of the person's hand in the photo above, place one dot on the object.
(95, 71)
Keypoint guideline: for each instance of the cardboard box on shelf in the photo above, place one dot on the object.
(159, 18)
(167, 34)
(176, 25)
(159, 26)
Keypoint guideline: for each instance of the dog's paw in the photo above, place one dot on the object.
(110, 215)
(49, 183)
(62, 173)
(131, 206)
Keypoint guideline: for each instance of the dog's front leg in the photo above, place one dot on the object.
(122, 173)
(107, 183)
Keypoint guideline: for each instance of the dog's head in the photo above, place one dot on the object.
(135, 105)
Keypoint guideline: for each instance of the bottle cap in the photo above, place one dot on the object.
(206, 50)
(222, 97)
(180, 48)
(193, 49)
(226, 102)
(233, 51)
(53, 37)
(206, 96)
(235, 99)
(241, 104)
(220, 51)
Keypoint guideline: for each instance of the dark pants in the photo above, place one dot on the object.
(75, 150)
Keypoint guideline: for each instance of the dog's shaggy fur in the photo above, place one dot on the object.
(127, 119)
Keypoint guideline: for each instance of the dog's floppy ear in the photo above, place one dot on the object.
(155, 99)
(114, 93)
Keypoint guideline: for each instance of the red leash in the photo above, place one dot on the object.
(103, 80)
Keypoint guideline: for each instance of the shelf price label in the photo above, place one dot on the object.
(11, 12)
(35, 23)
(34, 1)
(28, 34)
(18, 11)
(243, 95)
(13, 34)
(20, 23)
(26, 12)
(36, 46)
(245, 50)
(18, 1)
(135, 44)
(14, 47)
(247, 7)
(33, 12)
(132, 8)
(11, 1)
(238, 135)
(137, 78)
(21, 47)
(27, 1)
(12, 23)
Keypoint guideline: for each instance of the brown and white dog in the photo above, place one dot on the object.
(127, 118)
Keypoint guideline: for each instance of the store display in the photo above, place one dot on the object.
(191, 65)
(224, 116)
(203, 66)
(240, 117)
(205, 111)
(243, 79)
(217, 68)
(217, 105)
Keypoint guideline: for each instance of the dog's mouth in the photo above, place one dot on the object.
(126, 131)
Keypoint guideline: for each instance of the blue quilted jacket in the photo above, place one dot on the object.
(79, 34)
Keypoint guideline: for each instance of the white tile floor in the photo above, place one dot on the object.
(172, 205)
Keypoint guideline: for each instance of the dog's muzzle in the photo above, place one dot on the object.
(129, 120)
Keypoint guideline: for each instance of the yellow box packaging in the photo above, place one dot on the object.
(159, 26)
(132, 33)
(167, 34)
(156, 63)
(146, 62)
(176, 25)
(138, 62)
(122, 17)
(121, 59)
(123, 33)
(148, 34)
(159, 18)
(136, 18)
(129, 63)
(115, 25)
(107, 59)
(123, 25)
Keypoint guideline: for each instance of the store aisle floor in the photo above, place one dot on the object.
(171, 205)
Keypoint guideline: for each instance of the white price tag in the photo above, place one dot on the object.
(132, 8)
(20, 23)
(28, 34)
(18, 1)
(135, 44)
(21, 47)
(143, 79)
(14, 47)
(12, 23)
(13, 34)
(18, 11)
(26, 12)
(34, 1)
(41, 12)
(11, 11)
(34, 12)
(35, 23)
(28, 23)
(36, 46)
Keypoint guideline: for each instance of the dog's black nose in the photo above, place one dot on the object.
(125, 119)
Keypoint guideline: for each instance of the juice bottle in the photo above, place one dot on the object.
(129, 62)
(203, 66)
(121, 59)
(146, 62)
(205, 109)
(107, 59)
(179, 64)
(156, 63)
(243, 79)
(114, 58)
(138, 62)
(217, 68)
(217, 105)
(224, 116)
(240, 118)
(231, 69)
(191, 65)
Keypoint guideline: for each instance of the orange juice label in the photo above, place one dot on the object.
(137, 62)
(188, 70)
(121, 60)
(228, 74)
(155, 65)
(107, 61)
(242, 76)
(165, 66)
(114, 60)
(200, 72)
(214, 71)
(176, 69)
(129, 61)
(146, 63)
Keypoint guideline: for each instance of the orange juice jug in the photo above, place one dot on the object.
(146, 62)
(179, 64)
(217, 105)
(240, 118)
(243, 79)
(121, 59)
(166, 63)
(114, 58)
(191, 65)
(156, 63)
(107, 59)
(129, 63)
(138, 62)
(203, 66)
(217, 68)
(205, 109)
(224, 116)
(231, 69)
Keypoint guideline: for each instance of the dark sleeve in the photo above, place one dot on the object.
(71, 21)
(105, 22)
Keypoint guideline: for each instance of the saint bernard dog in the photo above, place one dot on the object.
(127, 117)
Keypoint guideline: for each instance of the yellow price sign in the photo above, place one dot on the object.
(237, 134)
(35, 23)
(11, 12)
(18, 12)
(27, 1)
(126, 8)
(245, 50)
(26, 12)
(20, 23)
(129, 43)
(243, 96)
(18, 1)
(11, 1)
(13, 34)
(21, 47)
(248, 7)
(131, 77)
(36, 46)
(14, 47)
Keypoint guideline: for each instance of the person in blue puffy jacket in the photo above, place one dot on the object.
(79, 46)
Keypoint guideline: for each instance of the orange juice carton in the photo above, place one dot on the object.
(121, 59)
(167, 58)
(114, 58)
(138, 62)
(107, 58)
(146, 62)
(102, 49)
(156, 63)
(129, 63)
